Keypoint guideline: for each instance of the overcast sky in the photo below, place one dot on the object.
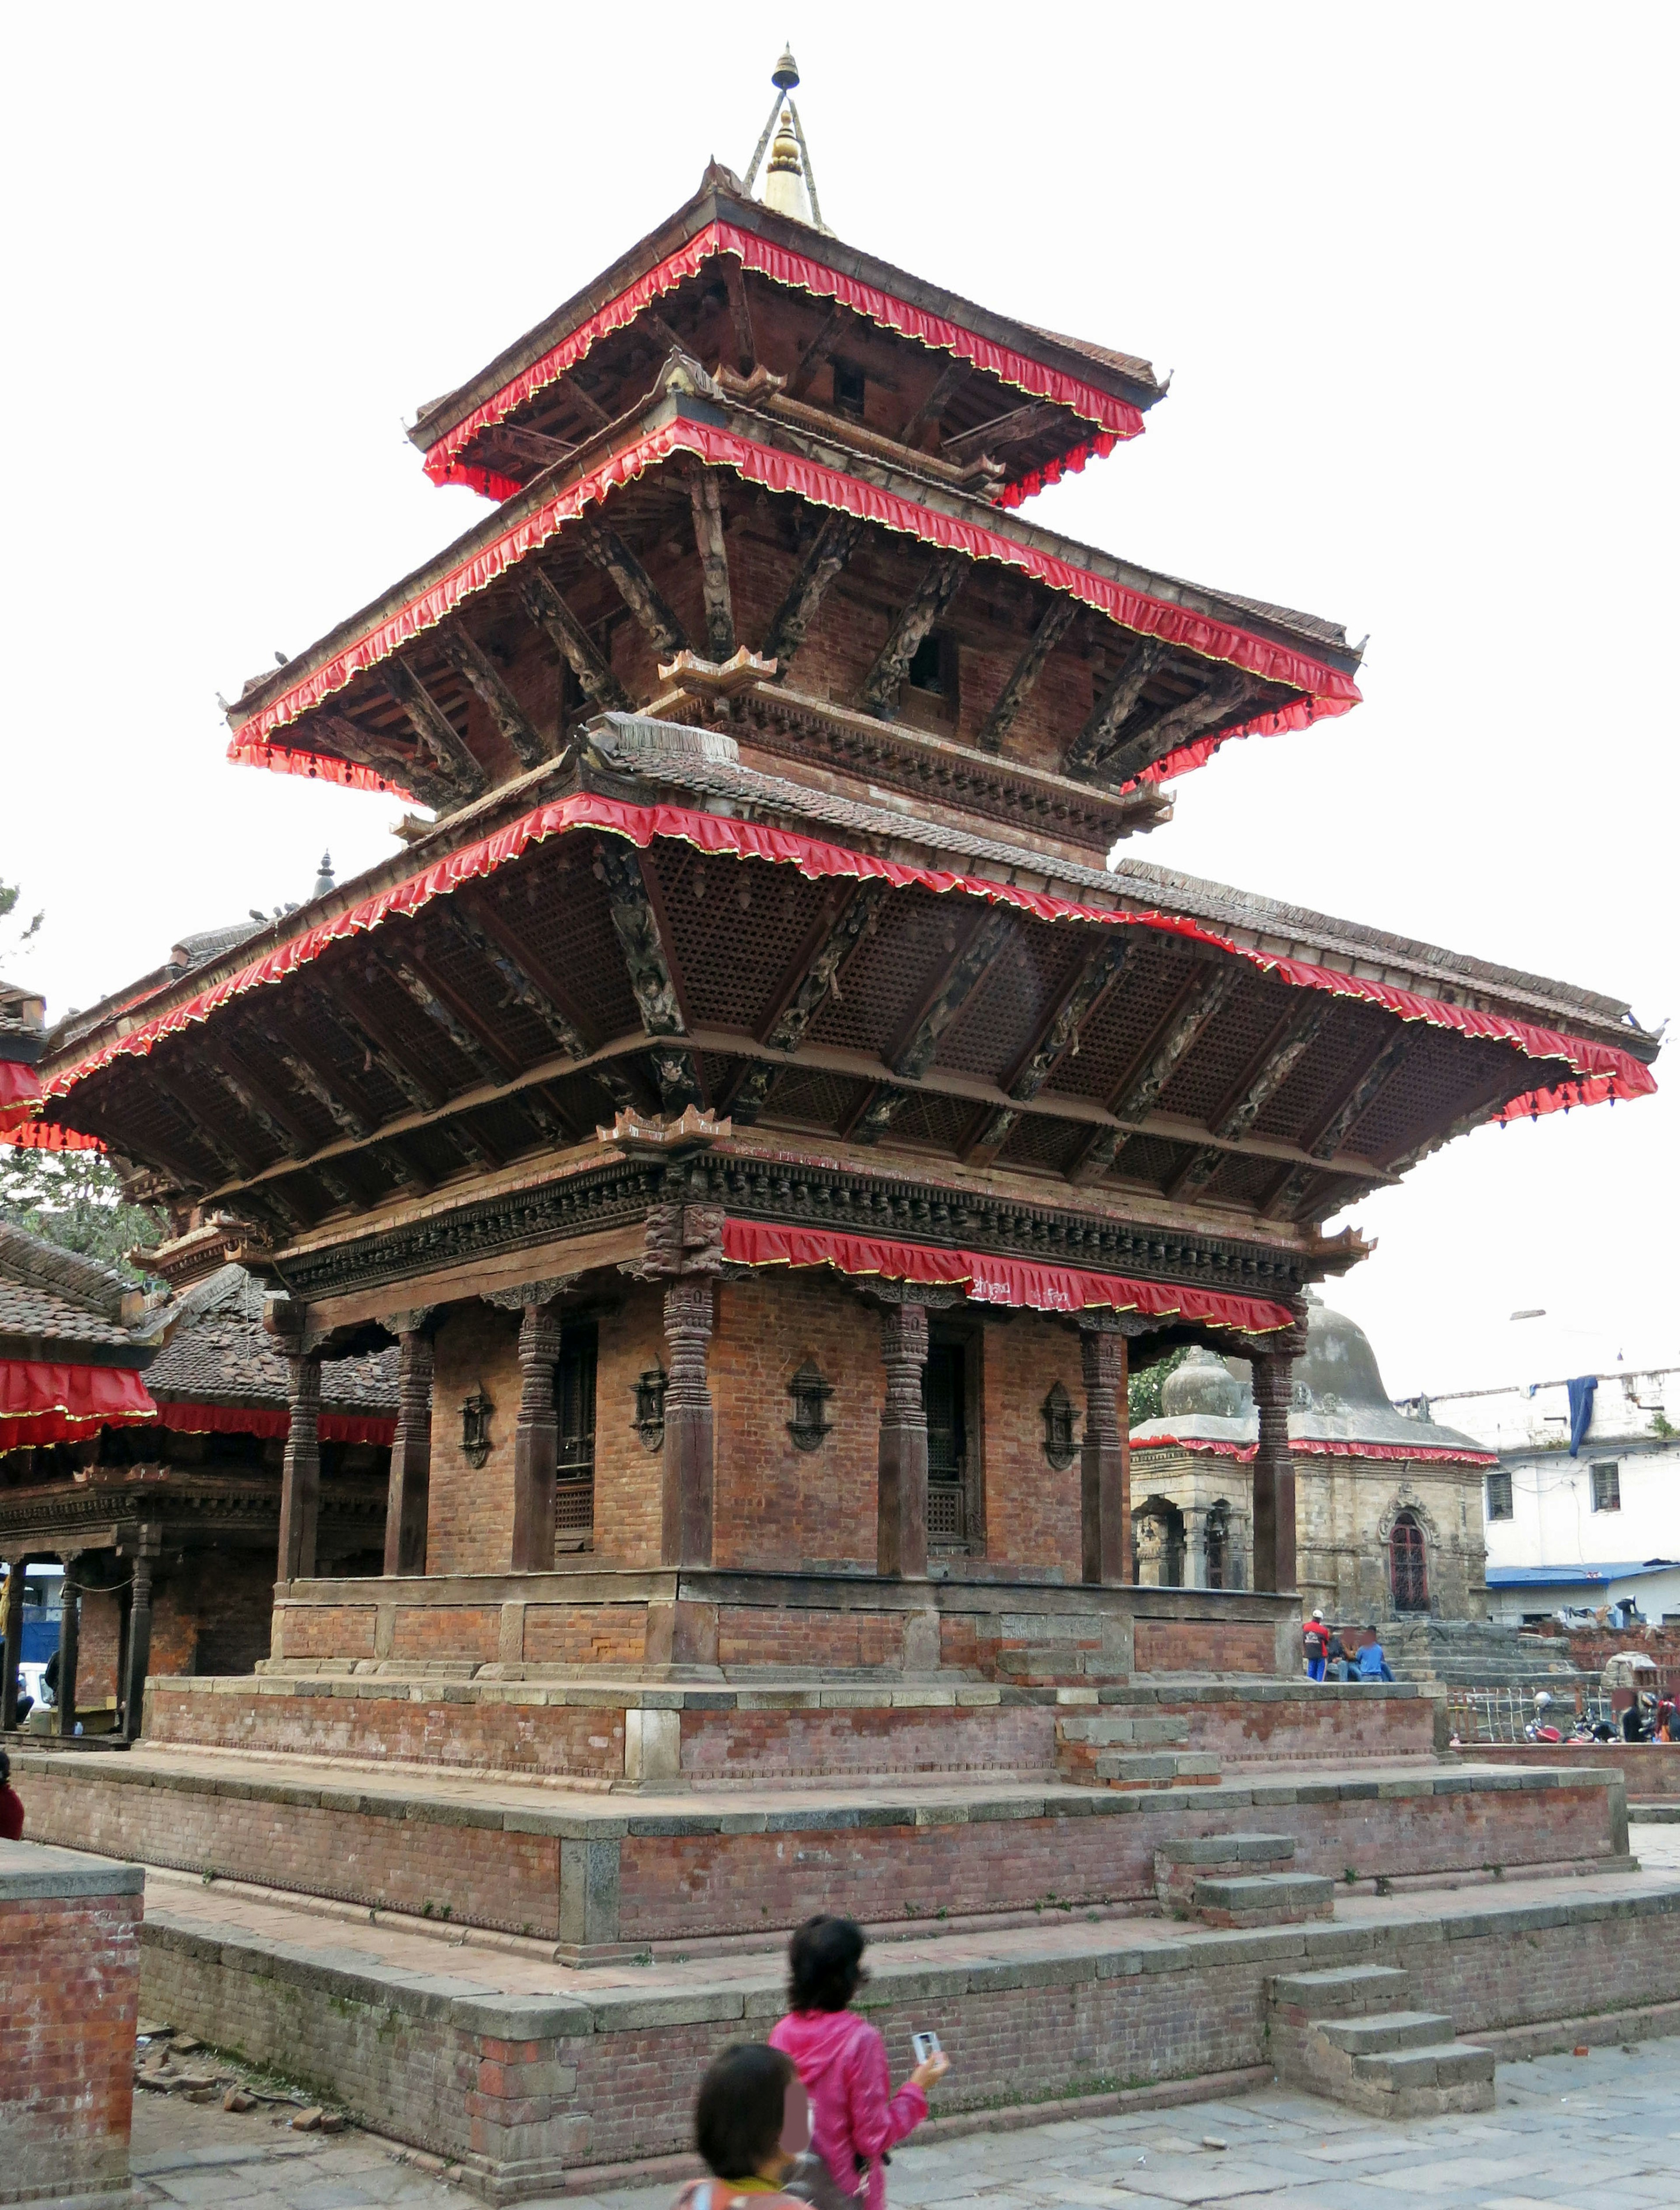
(1412, 269)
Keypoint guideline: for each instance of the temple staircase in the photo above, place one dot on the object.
(1347, 2033)
(1453, 1656)
(1239, 1880)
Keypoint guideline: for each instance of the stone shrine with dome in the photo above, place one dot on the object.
(1388, 1507)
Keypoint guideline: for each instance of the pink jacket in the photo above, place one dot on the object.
(842, 2060)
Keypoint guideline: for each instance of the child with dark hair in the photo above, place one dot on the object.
(752, 2125)
(855, 2117)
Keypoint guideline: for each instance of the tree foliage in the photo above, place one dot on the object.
(75, 1199)
(1143, 1385)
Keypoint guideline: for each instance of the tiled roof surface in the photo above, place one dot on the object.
(217, 1350)
(55, 1295)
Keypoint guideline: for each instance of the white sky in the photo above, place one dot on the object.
(1414, 269)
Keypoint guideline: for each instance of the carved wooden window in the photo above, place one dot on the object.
(1499, 1505)
(1408, 1568)
(649, 1421)
(945, 1398)
(811, 1422)
(850, 390)
(1058, 1414)
(574, 1456)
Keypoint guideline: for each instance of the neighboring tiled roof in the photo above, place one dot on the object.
(1128, 363)
(191, 952)
(57, 1295)
(217, 1351)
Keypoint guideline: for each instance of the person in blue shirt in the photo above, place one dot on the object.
(1373, 1666)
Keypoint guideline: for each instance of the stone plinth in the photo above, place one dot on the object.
(69, 1995)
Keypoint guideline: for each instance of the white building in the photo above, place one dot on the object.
(1599, 1527)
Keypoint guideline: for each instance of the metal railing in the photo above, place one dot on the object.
(1505, 1714)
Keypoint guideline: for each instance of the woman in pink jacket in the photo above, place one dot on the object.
(842, 2060)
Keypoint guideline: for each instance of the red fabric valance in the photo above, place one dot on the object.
(19, 1085)
(1610, 1073)
(1328, 692)
(35, 1135)
(190, 1419)
(1432, 1455)
(47, 1400)
(994, 1281)
(800, 271)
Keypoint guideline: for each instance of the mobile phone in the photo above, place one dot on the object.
(926, 2045)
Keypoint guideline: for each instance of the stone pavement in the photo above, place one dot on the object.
(1595, 2133)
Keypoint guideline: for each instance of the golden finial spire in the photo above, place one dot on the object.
(789, 185)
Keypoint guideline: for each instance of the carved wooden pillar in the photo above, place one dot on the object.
(536, 1439)
(685, 1536)
(1105, 1460)
(1273, 1473)
(901, 1523)
(140, 1632)
(11, 1626)
(300, 1477)
(410, 1493)
(69, 1641)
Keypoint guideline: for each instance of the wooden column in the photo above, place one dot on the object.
(685, 1538)
(300, 1477)
(69, 1642)
(140, 1633)
(1105, 1461)
(1273, 1474)
(11, 1625)
(410, 1493)
(536, 1439)
(901, 1522)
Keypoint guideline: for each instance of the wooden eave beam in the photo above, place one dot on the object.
(532, 447)
(828, 335)
(802, 987)
(740, 314)
(481, 675)
(317, 1076)
(1291, 1038)
(396, 1058)
(710, 539)
(933, 409)
(912, 1051)
(492, 941)
(827, 554)
(1023, 678)
(1011, 429)
(644, 937)
(1203, 995)
(637, 588)
(1322, 1145)
(1077, 1005)
(402, 764)
(1124, 688)
(544, 607)
(587, 405)
(1220, 698)
(939, 585)
(433, 726)
(294, 1142)
(467, 1028)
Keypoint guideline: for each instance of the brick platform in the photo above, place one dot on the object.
(69, 1991)
(527, 2078)
(594, 1874)
(1650, 1770)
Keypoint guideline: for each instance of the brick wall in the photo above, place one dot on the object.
(174, 1621)
(235, 1611)
(1651, 1770)
(1032, 1509)
(776, 1505)
(69, 1993)
(833, 1641)
(584, 1634)
(100, 1650)
(627, 1475)
(470, 1524)
(1186, 1645)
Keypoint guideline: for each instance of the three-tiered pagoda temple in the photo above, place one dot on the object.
(758, 1111)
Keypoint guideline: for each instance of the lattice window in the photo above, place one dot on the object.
(1115, 1039)
(574, 1457)
(1408, 1565)
(1499, 1504)
(1008, 1007)
(1607, 1487)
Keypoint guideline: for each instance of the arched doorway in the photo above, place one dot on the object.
(1408, 1569)
(1158, 1544)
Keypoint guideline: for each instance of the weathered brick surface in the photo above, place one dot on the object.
(584, 1634)
(69, 1991)
(470, 1522)
(747, 1745)
(1032, 1508)
(97, 1651)
(836, 1642)
(1651, 1769)
(627, 1475)
(446, 1631)
(327, 1631)
(1172, 1645)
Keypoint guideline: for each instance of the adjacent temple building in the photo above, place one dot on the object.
(764, 1126)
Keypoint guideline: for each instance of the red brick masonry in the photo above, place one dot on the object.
(69, 1995)
(1650, 1770)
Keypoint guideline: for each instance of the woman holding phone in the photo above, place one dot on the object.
(842, 2060)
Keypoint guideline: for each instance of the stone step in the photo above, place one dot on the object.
(1161, 1768)
(1254, 1850)
(1387, 2030)
(1266, 1899)
(1341, 1991)
(1440, 2064)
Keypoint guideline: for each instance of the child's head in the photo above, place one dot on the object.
(750, 2113)
(825, 1964)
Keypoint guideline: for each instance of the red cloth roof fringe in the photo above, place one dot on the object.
(1244, 1453)
(19, 1085)
(1328, 691)
(800, 272)
(190, 1419)
(36, 1389)
(48, 1136)
(1615, 1073)
(994, 1281)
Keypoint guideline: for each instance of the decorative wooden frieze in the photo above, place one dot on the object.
(811, 1394)
(825, 556)
(1219, 698)
(432, 726)
(1097, 739)
(635, 585)
(637, 928)
(709, 540)
(955, 985)
(1024, 677)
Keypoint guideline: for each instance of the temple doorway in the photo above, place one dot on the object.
(574, 1410)
(1408, 1568)
(1219, 1547)
(945, 1394)
(1158, 1544)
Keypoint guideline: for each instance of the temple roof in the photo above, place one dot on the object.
(1339, 1405)
(51, 1295)
(216, 1351)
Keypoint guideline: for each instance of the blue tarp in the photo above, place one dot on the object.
(1581, 1410)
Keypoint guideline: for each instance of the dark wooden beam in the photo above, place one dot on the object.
(529, 446)
(228, 1142)
(352, 1009)
(317, 1076)
(874, 1113)
(486, 915)
(1027, 669)
(827, 554)
(708, 537)
(1216, 702)
(939, 585)
(289, 1137)
(589, 407)
(481, 676)
(473, 1036)
(643, 936)
(933, 406)
(402, 764)
(1324, 1142)
(1291, 1039)
(1202, 997)
(637, 588)
(980, 945)
(1060, 1031)
(521, 986)
(816, 352)
(433, 726)
(1010, 429)
(740, 313)
(544, 607)
(800, 988)
(1125, 688)
(263, 1103)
